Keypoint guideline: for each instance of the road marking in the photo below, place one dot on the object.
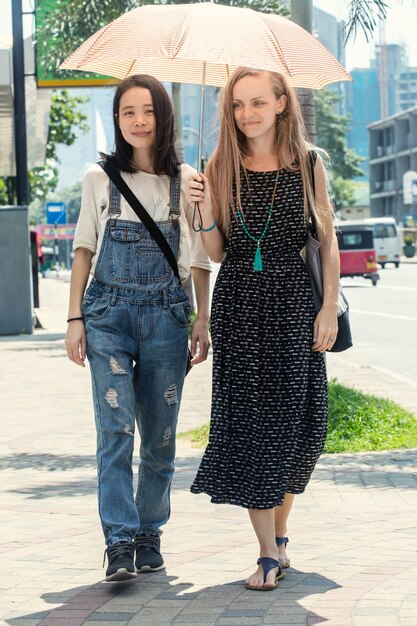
(398, 288)
(347, 285)
(400, 377)
(396, 317)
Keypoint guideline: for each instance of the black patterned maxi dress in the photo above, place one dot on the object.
(269, 405)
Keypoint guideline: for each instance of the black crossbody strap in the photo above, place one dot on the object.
(142, 214)
(313, 184)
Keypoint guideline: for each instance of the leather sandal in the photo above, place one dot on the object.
(284, 562)
(267, 565)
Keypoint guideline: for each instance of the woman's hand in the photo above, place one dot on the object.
(75, 342)
(325, 329)
(199, 191)
(199, 336)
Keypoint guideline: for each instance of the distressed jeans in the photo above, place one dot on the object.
(137, 349)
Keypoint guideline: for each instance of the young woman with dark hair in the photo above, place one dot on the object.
(132, 321)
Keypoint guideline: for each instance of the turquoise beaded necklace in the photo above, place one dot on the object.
(257, 261)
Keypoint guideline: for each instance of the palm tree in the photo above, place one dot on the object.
(364, 15)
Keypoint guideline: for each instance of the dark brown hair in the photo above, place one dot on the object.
(165, 160)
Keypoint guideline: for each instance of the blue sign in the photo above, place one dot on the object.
(56, 213)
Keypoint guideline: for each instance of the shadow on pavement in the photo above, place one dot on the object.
(33, 338)
(49, 462)
(395, 468)
(156, 599)
(391, 468)
(73, 489)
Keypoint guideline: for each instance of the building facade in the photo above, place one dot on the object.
(392, 154)
(374, 94)
(363, 106)
(407, 93)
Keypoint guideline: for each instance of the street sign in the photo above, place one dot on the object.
(56, 213)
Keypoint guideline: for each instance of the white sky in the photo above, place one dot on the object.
(400, 27)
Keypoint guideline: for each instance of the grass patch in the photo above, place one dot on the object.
(198, 436)
(358, 422)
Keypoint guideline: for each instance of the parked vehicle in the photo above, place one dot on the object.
(387, 240)
(357, 250)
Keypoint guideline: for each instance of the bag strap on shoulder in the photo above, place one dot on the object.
(313, 185)
(175, 196)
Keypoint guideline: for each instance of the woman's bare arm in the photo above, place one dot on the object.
(75, 340)
(200, 336)
(325, 327)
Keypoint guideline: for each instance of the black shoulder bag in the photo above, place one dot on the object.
(313, 262)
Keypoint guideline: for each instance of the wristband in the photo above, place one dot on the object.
(72, 319)
(207, 230)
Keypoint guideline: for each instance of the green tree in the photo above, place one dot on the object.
(264, 6)
(364, 15)
(331, 135)
(342, 192)
(65, 27)
(331, 131)
(3, 193)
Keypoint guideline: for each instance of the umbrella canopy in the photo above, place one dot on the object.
(185, 42)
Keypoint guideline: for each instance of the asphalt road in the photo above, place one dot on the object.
(384, 322)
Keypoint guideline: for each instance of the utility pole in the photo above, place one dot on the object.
(302, 14)
(19, 106)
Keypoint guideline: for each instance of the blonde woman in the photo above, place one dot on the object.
(269, 409)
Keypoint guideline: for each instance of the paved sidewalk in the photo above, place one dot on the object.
(353, 533)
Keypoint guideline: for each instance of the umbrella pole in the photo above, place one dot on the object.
(200, 131)
(199, 225)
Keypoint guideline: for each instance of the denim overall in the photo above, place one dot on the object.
(136, 320)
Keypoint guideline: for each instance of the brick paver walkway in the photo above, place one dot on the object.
(353, 533)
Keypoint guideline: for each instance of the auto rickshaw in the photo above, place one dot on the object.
(357, 251)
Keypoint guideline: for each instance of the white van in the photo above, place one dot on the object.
(387, 240)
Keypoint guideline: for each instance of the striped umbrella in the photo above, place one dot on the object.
(202, 44)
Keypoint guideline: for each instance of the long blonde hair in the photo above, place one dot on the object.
(226, 163)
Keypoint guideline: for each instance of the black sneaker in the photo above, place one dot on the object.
(120, 558)
(148, 552)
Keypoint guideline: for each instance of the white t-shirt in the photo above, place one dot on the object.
(153, 192)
